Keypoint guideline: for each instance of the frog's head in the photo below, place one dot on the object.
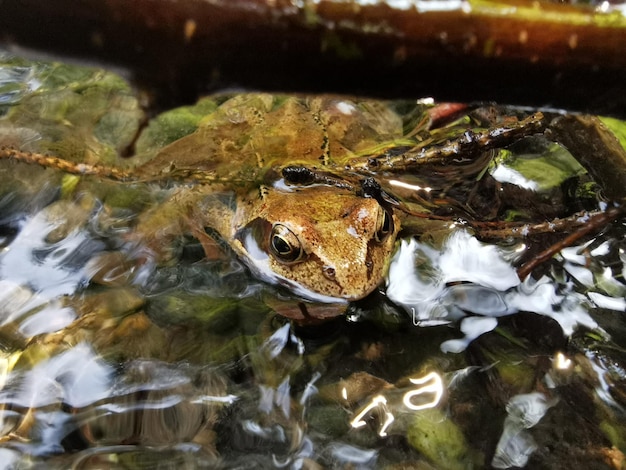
(326, 244)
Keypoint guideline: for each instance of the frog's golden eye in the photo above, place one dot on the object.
(284, 244)
(384, 225)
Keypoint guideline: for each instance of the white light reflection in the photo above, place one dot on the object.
(345, 107)
(279, 398)
(378, 402)
(347, 456)
(276, 343)
(516, 444)
(528, 409)
(78, 377)
(610, 303)
(209, 399)
(561, 362)
(358, 422)
(51, 269)
(425, 281)
(412, 187)
(389, 419)
(504, 174)
(472, 327)
(419, 5)
(610, 8)
(432, 384)
(9, 458)
(7, 363)
(422, 287)
(310, 389)
(603, 389)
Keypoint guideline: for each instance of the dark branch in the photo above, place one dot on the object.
(515, 51)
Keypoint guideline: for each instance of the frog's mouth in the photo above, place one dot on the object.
(258, 261)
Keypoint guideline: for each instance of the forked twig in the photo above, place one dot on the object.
(593, 224)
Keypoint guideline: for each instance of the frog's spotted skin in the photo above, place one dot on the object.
(341, 241)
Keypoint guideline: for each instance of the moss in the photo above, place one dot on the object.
(440, 440)
(535, 12)
(615, 434)
(78, 113)
(549, 170)
(216, 315)
(134, 198)
(617, 127)
(174, 124)
(329, 420)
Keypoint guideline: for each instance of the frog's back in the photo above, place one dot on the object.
(250, 133)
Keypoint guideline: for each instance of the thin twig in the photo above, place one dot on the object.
(500, 229)
(48, 161)
(593, 224)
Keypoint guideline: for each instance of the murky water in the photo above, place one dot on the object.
(110, 359)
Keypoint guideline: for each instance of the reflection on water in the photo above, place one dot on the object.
(516, 444)
(182, 366)
(494, 289)
(109, 359)
(96, 376)
(36, 274)
(76, 399)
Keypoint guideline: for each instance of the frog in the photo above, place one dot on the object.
(327, 242)
(310, 192)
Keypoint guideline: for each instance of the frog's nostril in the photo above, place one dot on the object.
(329, 272)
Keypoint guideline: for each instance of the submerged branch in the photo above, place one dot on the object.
(48, 161)
(595, 223)
(504, 230)
(596, 148)
(171, 174)
(466, 148)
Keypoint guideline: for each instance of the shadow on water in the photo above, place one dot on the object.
(111, 358)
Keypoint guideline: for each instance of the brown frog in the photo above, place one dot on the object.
(325, 238)
(302, 188)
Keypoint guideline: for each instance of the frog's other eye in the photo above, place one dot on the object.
(384, 225)
(284, 244)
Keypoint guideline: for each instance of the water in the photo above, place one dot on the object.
(111, 359)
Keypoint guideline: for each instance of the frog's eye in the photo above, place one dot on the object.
(384, 225)
(284, 244)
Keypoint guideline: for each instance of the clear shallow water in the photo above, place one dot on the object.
(113, 377)
(111, 361)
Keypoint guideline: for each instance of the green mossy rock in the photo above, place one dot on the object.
(439, 439)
